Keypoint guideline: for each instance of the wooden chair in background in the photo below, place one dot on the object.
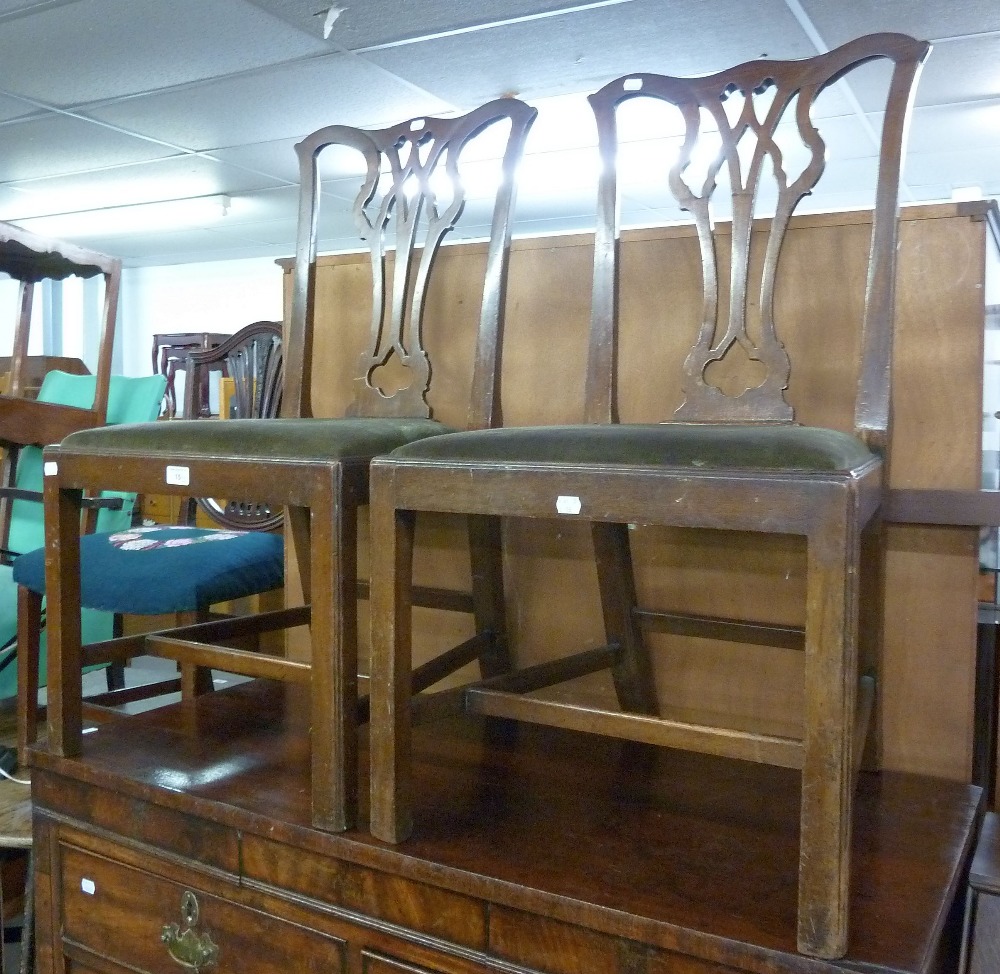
(31, 415)
(24, 421)
(732, 460)
(171, 355)
(250, 369)
(408, 197)
(45, 397)
(169, 570)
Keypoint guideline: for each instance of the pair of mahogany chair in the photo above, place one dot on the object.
(730, 460)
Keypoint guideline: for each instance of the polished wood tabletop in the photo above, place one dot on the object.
(672, 849)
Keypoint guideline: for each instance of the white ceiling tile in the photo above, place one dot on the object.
(63, 144)
(289, 101)
(243, 80)
(958, 70)
(164, 179)
(584, 51)
(276, 158)
(99, 49)
(839, 22)
(947, 171)
(363, 25)
(968, 127)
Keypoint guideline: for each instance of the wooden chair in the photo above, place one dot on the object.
(730, 462)
(250, 365)
(46, 397)
(28, 420)
(170, 356)
(410, 198)
(164, 569)
(24, 421)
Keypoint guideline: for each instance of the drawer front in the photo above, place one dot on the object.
(373, 962)
(137, 918)
(376, 964)
(417, 906)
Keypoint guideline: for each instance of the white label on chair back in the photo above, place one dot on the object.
(88, 886)
(566, 504)
(50, 468)
(180, 476)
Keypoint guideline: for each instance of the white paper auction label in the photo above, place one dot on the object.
(178, 476)
(567, 504)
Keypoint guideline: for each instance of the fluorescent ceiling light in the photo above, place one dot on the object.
(190, 213)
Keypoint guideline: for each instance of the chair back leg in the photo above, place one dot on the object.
(29, 637)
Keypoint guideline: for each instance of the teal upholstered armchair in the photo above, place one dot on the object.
(181, 570)
(131, 400)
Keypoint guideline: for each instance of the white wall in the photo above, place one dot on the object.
(9, 310)
(992, 273)
(220, 296)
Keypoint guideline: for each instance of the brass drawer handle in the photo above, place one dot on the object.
(187, 947)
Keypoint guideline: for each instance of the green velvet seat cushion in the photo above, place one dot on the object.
(263, 439)
(166, 568)
(689, 445)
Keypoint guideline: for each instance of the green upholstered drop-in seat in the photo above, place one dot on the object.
(692, 445)
(264, 439)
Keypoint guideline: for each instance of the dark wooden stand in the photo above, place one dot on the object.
(533, 850)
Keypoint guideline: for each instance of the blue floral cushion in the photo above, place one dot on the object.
(166, 568)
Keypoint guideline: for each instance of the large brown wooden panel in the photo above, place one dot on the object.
(928, 613)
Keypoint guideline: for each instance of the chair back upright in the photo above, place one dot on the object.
(766, 145)
(412, 194)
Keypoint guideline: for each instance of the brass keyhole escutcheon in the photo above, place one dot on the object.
(192, 950)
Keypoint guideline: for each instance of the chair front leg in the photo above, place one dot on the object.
(333, 584)
(391, 665)
(831, 663)
(29, 638)
(62, 586)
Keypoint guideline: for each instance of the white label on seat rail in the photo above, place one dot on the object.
(567, 504)
(50, 468)
(179, 476)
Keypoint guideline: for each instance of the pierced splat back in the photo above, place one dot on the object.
(739, 112)
(411, 197)
(252, 361)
